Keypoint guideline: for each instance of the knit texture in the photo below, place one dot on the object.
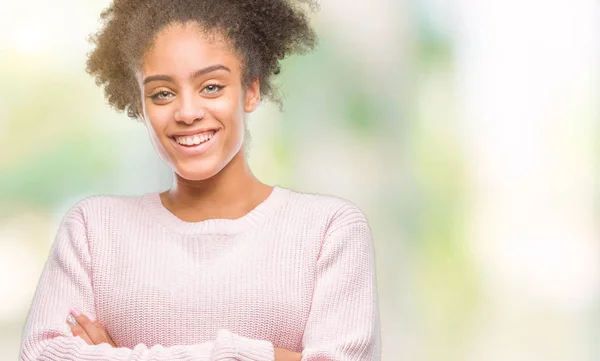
(296, 272)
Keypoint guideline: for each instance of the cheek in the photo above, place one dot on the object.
(159, 111)
(229, 112)
(158, 119)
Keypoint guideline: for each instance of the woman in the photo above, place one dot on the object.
(220, 266)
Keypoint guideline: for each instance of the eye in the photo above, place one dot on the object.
(161, 95)
(212, 88)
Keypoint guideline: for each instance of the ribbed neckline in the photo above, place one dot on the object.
(219, 226)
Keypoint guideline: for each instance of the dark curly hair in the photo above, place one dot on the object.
(262, 32)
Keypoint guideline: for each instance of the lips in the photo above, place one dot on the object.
(194, 144)
(195, 139)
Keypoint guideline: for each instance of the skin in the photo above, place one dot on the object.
(217, 183)
(93, 333)
(191, 80)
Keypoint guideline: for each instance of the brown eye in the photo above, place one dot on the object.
(162, 95)
(212, 88)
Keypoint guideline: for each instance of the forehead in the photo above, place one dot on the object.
(183, 48)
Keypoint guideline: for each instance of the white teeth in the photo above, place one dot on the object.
(194, 140)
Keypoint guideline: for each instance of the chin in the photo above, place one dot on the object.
(196, 171)
(195, 174)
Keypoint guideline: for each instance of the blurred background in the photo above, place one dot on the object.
(467, 131)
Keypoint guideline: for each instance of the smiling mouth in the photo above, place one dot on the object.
(195, 139)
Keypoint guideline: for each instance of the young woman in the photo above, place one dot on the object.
(220, 266)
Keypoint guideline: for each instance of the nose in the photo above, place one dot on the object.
(189, 110)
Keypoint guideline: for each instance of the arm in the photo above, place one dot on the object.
(343, 324)
(66, 282)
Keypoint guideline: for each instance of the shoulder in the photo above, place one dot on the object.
(334, 210)
(342, 229)
(99, 206)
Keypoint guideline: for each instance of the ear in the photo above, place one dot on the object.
(140, 111)
(139, 97)
(252, 96)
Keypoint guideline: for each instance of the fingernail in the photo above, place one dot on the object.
(92, 319)
(75, 312)
(71, 320)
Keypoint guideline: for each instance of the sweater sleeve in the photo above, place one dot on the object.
(66, 281)
(343, 323)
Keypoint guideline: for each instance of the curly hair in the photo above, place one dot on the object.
(262, 32)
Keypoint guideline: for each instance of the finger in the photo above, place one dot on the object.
(108, 339)
(82, 320)
(88, 329)
(94, 330)
(77, 330)
(282, 354)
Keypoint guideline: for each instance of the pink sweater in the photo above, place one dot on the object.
(296, 272)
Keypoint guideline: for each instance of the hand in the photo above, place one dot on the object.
(90, 331)
(94, 334)
(286, 355)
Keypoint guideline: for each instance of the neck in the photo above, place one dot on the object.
(229, 194)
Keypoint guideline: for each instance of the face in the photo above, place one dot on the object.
(193, 102)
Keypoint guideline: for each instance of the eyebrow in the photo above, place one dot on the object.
(196, 74)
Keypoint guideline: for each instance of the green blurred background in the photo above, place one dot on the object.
(467, 131)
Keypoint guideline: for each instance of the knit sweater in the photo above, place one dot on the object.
(296, 272)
